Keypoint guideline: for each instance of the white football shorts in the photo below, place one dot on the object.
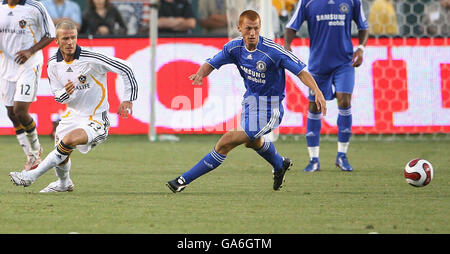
(24, 89)
(96, 128)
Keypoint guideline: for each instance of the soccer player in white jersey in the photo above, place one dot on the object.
(262, 64)
(332, 63)
(78, 79)
(25, 28)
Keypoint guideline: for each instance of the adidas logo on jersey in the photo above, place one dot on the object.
(69, 70)
(250, 57)
(331, 2)
(10, 13)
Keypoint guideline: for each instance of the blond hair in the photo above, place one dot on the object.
(66, 25)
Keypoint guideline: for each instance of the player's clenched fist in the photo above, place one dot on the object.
(70, 87)
(125, 109)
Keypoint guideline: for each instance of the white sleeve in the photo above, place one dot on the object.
(119, 66)
(46, 23)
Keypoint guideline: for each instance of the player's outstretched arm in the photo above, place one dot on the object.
(309, 81)
(202, 72)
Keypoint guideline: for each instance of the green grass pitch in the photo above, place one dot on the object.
(120, 188)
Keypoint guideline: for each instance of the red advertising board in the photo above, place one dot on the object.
(403, 86)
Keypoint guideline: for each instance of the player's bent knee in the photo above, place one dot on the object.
(251, 145)
(255, 144)
(224, 146)
(69, 141)
(19, 111)
(75, 137)
(313, 107)
(227, 143)
(344, 100)
(223, 149)
(11, 114)
(344, 104)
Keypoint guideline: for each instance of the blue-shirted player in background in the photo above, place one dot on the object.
(261, 63)
(331, 63)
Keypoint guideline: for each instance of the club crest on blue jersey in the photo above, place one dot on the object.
(343, 8)
(22, 23)
(261, 66)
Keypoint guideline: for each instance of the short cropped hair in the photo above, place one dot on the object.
(66, 25)
(250, 14)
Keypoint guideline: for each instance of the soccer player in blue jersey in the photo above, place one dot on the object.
(261, 63)
(331, 63)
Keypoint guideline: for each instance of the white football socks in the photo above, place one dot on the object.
(24, 143)
(33, 140)
(53, 159)
(313, 151)
(343, 147)
(62, 172)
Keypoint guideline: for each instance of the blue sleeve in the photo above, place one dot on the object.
(290, 62)
(221, 58)
(359, 17)
(297, 19)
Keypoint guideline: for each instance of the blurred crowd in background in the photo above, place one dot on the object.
(391, 18)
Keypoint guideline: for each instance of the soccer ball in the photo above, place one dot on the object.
(418, 172)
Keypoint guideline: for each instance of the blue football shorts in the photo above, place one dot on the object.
(260, 116)
(341, 80)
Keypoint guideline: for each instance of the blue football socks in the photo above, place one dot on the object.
(270, 154)
(211, 161)
(344, 123)
(313, 127)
